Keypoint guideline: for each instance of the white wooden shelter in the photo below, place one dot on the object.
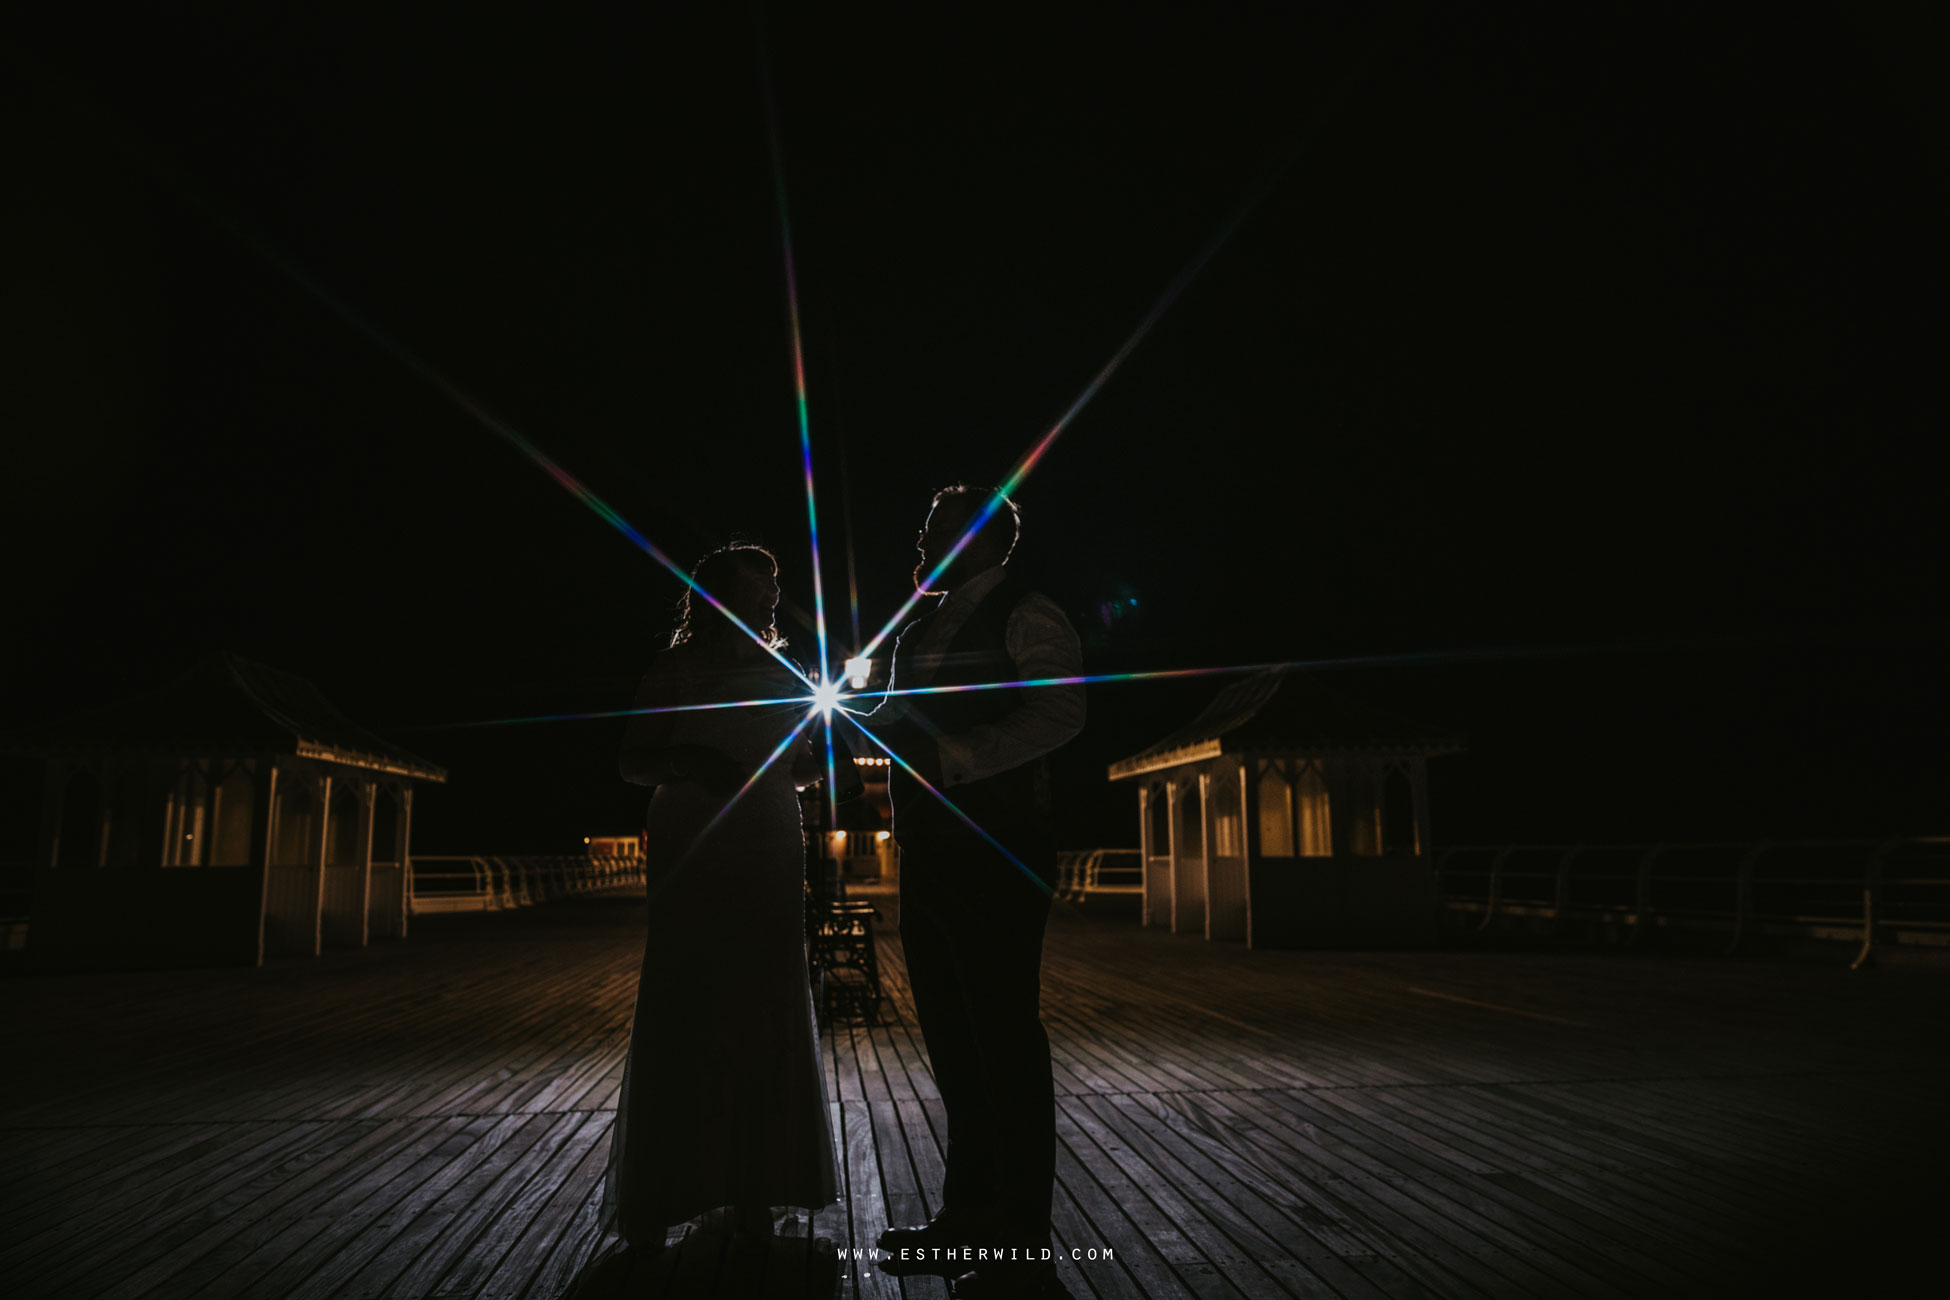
(1290, 816)
(231, 815)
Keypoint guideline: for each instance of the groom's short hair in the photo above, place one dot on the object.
(1004, 528)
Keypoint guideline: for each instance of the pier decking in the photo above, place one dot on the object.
(430, 1118)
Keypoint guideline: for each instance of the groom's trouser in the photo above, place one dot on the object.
(971, 925)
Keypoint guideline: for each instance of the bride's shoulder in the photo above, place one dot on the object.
(698, 670)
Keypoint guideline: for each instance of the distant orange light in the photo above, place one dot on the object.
(883, 835)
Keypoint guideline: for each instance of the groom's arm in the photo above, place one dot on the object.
(1041, 645)
(903, 730)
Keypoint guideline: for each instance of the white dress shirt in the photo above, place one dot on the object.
(1041, 644)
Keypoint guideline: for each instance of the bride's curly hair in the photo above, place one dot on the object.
(723, 573)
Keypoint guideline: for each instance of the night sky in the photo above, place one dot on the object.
(1609, 329)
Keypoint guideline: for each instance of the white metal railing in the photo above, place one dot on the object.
(1874, 891)
(460, 882)
(1082, 873)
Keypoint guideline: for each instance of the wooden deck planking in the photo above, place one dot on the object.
(1540, 1188)
(383, 1245)
(1455, 1172)
(78, 1228)
(1459, 1221)
(432, 1119)
(413, 1266)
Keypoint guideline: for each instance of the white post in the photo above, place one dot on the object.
(321, 835)
(1208, 827)
(1248, 842)
(264, 815)
(367, 792)
(404, 837)
(1172, 841)
(168, 855)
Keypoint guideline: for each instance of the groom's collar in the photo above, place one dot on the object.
(970, 591)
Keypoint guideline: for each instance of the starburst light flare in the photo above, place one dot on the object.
(826, 698)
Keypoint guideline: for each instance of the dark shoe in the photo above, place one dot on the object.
(1010, 1280)
(936, 1246)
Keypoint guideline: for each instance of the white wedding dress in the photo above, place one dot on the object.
(723, 1100)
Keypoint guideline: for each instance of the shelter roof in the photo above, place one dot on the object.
(228, 705)
(1281, 712)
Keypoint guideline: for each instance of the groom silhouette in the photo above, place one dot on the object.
(973, 904)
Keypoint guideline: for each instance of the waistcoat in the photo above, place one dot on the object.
(1007, 805)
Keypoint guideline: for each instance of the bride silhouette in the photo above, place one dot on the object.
(723, 1110)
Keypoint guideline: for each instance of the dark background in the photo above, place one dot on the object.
(1613, 328)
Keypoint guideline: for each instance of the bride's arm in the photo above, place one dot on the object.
(652, 753)
(644, 759)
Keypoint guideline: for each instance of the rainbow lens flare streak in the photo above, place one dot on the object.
(822, 690)
(949, 804)
(581, 492)
(290, 269)
(1041, 447)
(829, 698)
(799, 388)
(832, 777)
(613, 713)
(1255, 194)
(1304, 665)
